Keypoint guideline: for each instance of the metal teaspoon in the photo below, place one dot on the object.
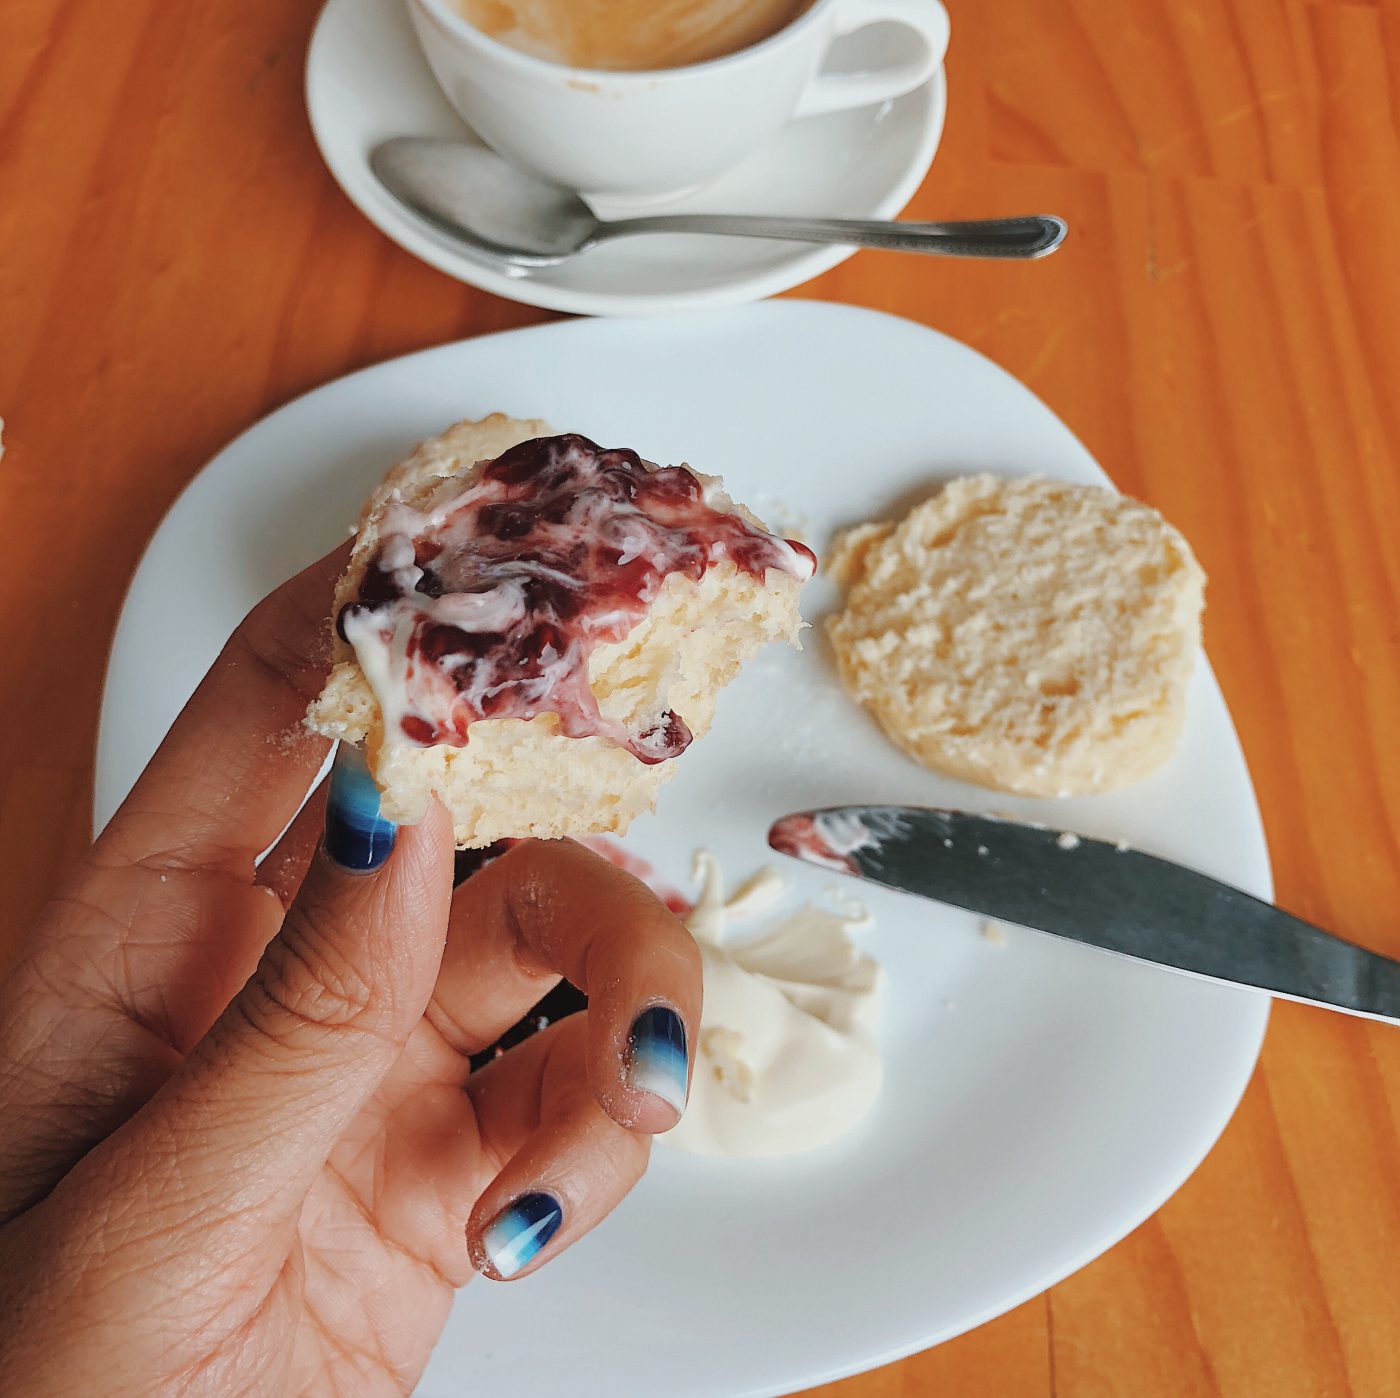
(510, 216)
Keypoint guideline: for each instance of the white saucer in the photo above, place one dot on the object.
(366, 80)
(1040, 1099)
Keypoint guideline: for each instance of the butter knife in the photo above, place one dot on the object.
(1099, 893)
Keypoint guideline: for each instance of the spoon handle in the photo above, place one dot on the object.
(1031, 236)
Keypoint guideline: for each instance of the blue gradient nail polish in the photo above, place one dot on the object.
(656, 1056)
(358, 838)
(517, 1234)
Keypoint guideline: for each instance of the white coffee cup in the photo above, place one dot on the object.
(643, 136)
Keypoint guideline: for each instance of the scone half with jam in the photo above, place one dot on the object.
(535, 628)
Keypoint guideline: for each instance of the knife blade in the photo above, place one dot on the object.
(1098, 893)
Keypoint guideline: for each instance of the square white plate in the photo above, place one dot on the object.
(1041, 1099)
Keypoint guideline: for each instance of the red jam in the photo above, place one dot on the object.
(491, 603)
(802, 837)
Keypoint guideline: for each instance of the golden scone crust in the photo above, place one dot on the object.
(519, 777)
(1026, 635)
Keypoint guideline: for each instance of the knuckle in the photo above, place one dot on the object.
(525, 885)
(303, 980)
(284, 641)
(527, 895)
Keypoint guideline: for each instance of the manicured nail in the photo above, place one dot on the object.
(656, 1057)
(514, 1238)
(358, 838)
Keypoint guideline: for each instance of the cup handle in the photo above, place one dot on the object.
(831, 92)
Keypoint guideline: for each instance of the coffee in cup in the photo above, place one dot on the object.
(630, 35)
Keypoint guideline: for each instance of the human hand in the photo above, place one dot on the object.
(240, 1151)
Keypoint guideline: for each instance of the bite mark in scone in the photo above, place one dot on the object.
(533, 627)
(1027, 635)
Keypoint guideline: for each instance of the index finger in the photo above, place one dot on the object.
(550, 908)
(238, 760)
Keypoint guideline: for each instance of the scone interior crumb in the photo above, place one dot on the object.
(1028, 635)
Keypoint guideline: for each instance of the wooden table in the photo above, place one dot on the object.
(1222, 330)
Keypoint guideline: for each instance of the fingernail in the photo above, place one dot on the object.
(514, 1238)
(358, 838)
(656, 1056)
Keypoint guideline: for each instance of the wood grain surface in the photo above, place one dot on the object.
(1222, 330)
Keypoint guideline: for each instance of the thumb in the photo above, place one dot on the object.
(258, 1104)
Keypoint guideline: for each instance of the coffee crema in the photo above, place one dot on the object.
(630, 35)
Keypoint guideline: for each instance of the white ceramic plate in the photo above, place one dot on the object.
(1041, 1099)
(366, 80)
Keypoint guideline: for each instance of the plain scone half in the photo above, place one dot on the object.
(1028, 635)
(635, 699)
